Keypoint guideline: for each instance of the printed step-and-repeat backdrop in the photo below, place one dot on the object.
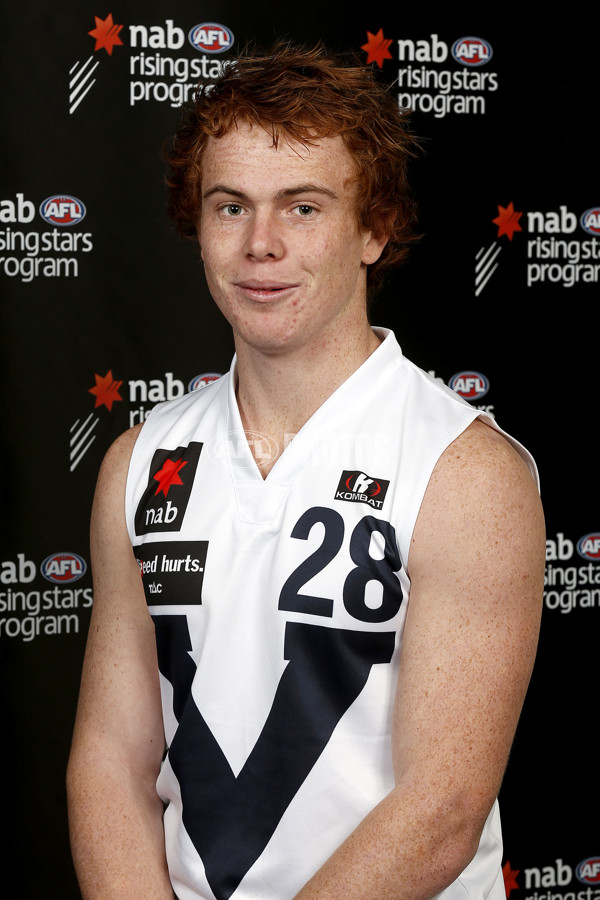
(105, 312)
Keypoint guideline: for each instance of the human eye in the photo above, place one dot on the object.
(231, 209)
(304, 210)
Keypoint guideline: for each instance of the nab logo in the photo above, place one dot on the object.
(589, 547)
(471, 51)
(470, 385)
(358, 487)
(211, 38)
(61, 209)
(590, 221)
(164, 502)
(588, 871)
(61, 568)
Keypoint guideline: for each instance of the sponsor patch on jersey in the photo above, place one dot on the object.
(164, 501)
(172, 571)
(358, 487)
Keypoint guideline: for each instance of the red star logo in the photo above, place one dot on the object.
(106, 34)
(106, 390)
(510, 878)
(377, 48)
(169, 475)
(507, 221)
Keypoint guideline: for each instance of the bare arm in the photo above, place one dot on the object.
(476, 567)
(115, 814)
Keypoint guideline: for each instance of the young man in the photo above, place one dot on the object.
(325, 737)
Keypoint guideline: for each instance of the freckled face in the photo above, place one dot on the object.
(284, 256)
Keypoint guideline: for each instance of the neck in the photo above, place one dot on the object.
(278, 393)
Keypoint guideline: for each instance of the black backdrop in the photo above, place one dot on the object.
(104, 312)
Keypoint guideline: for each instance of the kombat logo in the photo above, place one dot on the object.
(358, 487)
(164, 502)
(155, 75)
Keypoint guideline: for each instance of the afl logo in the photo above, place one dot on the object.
(589, 546)
(200, 381)
(211, 38)
(471, 51)
(588, 871)
(62, 568)
(590, 221)
(470, 385)
(60, 209)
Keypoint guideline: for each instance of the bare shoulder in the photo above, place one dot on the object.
(115, 464)
(123, 445)
(480, 470)
(482, 507)
(483, 457)
(112, 477)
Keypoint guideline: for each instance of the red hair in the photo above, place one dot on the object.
(301, 95)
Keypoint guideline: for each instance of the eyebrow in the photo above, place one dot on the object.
(280, 195)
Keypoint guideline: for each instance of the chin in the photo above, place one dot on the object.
(268, 332)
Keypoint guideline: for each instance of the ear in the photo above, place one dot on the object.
(375, 241)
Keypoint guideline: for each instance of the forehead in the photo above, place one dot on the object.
(247, 156)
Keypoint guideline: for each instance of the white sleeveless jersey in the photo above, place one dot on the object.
(279, 606)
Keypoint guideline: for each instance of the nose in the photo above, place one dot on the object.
(263, 238)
